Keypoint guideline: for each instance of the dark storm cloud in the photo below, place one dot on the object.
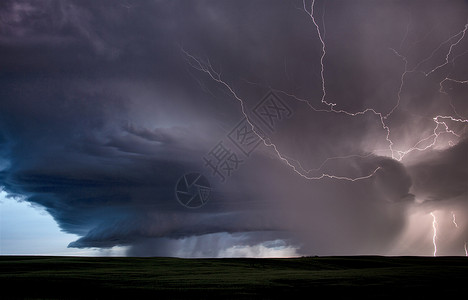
(443, 176)
(101, 113)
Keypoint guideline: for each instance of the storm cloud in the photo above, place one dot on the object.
(104, 105)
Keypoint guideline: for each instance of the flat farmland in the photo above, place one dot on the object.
(351, 277)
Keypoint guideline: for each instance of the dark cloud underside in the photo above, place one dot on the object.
(102, 111)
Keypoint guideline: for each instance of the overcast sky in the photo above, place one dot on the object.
(359, 114)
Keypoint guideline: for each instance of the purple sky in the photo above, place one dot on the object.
(359, 110)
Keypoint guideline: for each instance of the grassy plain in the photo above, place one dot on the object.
(351, 277)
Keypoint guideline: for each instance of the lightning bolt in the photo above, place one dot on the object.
(442, 91)
(398, 155)
(454, 220)
(458, 38)
(427, 142)
(205, 67)
(462, 35)
(434, 233)
(322, 57)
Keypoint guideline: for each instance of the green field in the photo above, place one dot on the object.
(352, 277)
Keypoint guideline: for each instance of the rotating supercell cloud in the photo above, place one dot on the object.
(240, 128)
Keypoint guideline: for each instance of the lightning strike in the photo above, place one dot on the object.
(208, 69)
(442, 91)
(435, 135)
(322, 57)
(462, 35)
(425, 143)
(400, 154)
(434, 233)
(454, 220)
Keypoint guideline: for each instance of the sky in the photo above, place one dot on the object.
(233, 128)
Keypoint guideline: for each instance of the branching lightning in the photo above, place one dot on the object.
(400, 154)
(461, 35)
(208, 69)
(425, 143)
(322, 57)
